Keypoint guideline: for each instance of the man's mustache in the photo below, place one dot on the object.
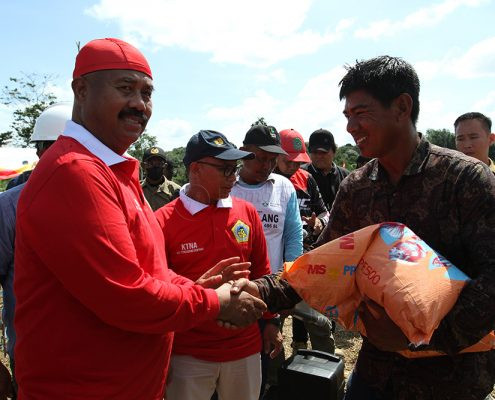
(131, 112)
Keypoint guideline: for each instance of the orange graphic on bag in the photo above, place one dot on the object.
(392, 266)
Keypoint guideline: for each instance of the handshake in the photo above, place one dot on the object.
(240, 300)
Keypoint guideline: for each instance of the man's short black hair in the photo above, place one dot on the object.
(385, 78)
(485, 121)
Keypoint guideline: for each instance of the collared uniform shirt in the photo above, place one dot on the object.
(492, 166)
(276, 203)
(96, 302)
(448, 200)
(160, 195)
(198, 236)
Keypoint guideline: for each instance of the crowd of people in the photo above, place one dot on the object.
(128, 289)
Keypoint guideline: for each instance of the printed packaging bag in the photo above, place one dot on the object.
(392, 266)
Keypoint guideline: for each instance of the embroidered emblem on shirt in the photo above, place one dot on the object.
(241, 231)
(191, 247)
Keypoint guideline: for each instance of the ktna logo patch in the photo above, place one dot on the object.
(241, 231)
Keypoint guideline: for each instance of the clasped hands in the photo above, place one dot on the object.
(240, 303)
(239, 298)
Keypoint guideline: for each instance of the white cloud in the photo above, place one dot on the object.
(477, 62)
(277, 75)
(62, 92)
(257, 33)
(486, 105)
(315, 106)
(171, 133)
(5, 117)
(424, 17)
(435, 114)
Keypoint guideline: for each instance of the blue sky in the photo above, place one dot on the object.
(221, 64)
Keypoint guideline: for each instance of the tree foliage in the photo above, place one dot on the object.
(176, 156)
(346, 156)
(144, 142)
(441, 137)
(260, 121)
(30, 95)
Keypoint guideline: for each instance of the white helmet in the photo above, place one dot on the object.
(51, 122)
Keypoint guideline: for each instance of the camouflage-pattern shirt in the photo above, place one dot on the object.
(448, 200)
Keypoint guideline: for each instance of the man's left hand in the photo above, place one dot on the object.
(315, 223)
(229, 269)
(272, 340)
(381, 331)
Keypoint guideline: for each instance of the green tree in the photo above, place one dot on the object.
(144, 142)
(5, 138)
(260, 121)
(176, 156)
(30, 95)
(346, 156)
(441, 137)
(3, 184)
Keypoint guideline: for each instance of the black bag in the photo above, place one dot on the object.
(311, 375)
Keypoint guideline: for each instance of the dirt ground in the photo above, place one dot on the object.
(346, 343)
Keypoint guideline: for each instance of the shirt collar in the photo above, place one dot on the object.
(195, 207)
(88, 140)
(333, 170)
(415, 166)
(491, 165)
(271, 178)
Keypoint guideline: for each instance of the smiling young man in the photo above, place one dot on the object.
(96, 304)
(448, 200)
(204, 225)
(473, 136)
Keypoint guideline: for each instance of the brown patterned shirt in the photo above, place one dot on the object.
(448, 200)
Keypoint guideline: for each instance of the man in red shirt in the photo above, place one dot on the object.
(96, 303)
(202, 226)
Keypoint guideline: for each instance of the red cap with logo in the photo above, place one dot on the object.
(293, 144)
(109, 53)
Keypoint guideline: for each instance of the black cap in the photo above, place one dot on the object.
(154, 152)
(212, 144)
(321, 139)
(264, 137)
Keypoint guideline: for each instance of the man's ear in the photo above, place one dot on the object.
(80, 88)
(491, 137)
(403, 105)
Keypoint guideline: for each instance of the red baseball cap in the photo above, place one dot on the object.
(109, 53)
(293, 144)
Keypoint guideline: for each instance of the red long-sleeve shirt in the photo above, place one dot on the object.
(194, 243)
(96, 303)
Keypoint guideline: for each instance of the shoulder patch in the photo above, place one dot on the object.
(241, 231)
